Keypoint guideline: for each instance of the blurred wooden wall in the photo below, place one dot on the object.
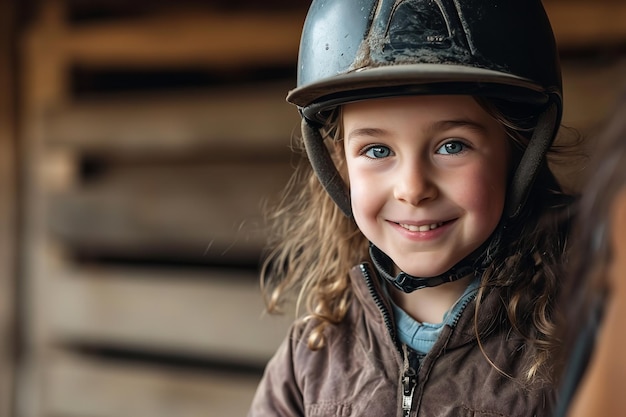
(150, 135)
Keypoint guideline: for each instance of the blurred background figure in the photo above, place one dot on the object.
(139, 143)
(595, 298)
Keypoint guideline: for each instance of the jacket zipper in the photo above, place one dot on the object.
(411, 362)
(381, 306)
(409, 379)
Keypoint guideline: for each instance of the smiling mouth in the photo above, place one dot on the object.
(421, 228)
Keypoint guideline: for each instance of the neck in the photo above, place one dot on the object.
(426, 299)
(430, 304)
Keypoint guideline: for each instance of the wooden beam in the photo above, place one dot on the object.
(252, 118)
(582, 24)
(206, 314)
(221, 40)
(82, 386)
(205, 212)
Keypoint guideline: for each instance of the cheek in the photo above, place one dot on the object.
(494, 178)
(360, 196)
(485, 197)
(366, 199)
(362, 211)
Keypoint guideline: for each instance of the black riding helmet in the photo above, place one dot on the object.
(352, 50)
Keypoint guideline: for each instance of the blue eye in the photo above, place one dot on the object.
(452, 148)
(376, 152)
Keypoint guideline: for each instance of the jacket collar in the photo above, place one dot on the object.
(370, 293)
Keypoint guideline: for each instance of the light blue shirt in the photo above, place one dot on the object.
(422, 336)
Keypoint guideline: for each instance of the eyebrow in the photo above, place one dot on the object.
(451, 124)
(436, 126)
(367, 131)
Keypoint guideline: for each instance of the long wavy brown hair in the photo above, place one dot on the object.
(313, 246)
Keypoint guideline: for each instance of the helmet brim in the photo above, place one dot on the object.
(314, 100)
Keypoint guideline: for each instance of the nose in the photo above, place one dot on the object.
(414, 184)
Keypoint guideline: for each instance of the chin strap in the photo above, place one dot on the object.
(531, 161)
(324, 167)
(408, 283)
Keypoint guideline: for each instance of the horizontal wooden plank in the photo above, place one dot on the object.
(254, 117)
(211, 211)
(585, 23)
(209, 314)
(79, 387)
(186, 38)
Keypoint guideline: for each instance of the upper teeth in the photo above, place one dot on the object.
(422, 228)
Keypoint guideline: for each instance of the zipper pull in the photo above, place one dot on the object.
(409, 380)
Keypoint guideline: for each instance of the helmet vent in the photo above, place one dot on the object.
(418, 23)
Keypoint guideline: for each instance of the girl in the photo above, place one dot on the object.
(428, 275)
(596, 294)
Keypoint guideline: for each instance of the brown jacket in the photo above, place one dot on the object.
(361, 370)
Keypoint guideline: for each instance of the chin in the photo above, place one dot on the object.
(432, 270)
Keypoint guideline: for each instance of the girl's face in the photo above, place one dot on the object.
(427, 177)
